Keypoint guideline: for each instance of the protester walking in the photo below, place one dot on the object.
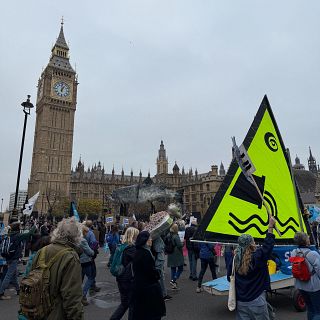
(207, 257)
(193, 250)
(87, 267)
(113, 239)
(94, 245)
(148, 303)
(102, 232)
(228, 254)
(175, 259)
(65, 272)
(11, 250)
(252, 278)
(44, 229)
(159, 256)
(124, 280)
(36, 243)
(309, 289)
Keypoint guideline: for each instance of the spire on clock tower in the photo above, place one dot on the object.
(60, 53)
(61, 41)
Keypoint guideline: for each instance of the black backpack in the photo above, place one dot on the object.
(9, 246)
(168, 244)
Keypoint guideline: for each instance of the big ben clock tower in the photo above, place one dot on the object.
(53, 138)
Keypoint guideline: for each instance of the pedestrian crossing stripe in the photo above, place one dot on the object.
(237, 207)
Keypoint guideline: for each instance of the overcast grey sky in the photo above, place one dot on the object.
(192, 73)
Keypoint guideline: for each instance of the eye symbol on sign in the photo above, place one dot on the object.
(271, 141)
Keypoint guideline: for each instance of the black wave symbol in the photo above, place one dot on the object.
(244, 222)
(252, 225)
(274, 209)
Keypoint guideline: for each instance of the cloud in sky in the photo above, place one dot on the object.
(192, 73)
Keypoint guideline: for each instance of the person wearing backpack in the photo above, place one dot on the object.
(125, 276)
(175, 258)
(207, 257)
(11, 250)
(60, 261)
(307, 280)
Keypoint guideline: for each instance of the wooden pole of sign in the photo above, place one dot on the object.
(248, 173)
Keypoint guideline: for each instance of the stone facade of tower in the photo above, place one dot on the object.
(53, 138)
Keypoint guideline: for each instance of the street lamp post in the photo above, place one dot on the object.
(27, 105)
(1, 204)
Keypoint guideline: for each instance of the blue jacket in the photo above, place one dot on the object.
(113, 239)
(87, 254)
(257, 280)
(206, 251)
(91, 238)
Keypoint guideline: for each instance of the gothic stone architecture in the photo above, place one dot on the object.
(55, 109)
(51, 172)
(199, 189)
(308, 180)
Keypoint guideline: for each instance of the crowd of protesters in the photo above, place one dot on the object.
(140, 272)
(74, 275)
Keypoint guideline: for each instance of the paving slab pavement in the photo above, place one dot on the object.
(185, 305)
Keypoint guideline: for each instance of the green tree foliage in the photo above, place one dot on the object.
(61, 207)
(89, 206)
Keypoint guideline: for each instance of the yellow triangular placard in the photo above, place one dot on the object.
(237, 208)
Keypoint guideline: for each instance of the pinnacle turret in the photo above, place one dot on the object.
(60, 53)
(61, 41)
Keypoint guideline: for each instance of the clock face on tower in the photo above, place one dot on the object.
(62, 89)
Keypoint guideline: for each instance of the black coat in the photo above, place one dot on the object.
(127, 258)
(147, 297)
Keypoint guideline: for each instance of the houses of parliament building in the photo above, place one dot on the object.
(51, 171)
(199, 189)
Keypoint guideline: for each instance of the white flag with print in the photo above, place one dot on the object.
(31, 202)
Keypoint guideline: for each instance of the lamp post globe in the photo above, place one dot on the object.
(27, 105)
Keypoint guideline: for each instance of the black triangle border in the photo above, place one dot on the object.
(201, 234)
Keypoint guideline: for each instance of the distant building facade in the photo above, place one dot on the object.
(22, 197)
(199, 189)
(308, 181)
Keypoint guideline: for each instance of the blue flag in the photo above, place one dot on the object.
(74, 211)
(314, 213)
